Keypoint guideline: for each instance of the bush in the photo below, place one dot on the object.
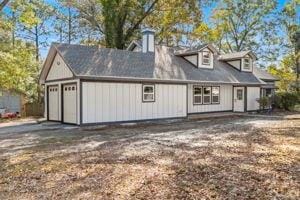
(264, 102)
(287, 100)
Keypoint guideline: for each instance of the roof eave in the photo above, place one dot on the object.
(134, 79)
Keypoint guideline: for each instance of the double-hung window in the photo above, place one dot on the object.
(206, 95)
(197, 94)
(215, 95)
(246, 63)
(205, 58)
(148, 93)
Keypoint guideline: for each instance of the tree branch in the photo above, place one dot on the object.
(136, 25)
(3, 4)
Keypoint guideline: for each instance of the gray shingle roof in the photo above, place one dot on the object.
(234, 55)
(94, 62)
(263, 75)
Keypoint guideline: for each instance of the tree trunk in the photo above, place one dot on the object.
(37, 57)
(13, 28)
(70, 25)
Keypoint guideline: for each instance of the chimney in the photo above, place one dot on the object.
(148, 40)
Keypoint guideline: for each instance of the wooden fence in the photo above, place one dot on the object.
(33, 109)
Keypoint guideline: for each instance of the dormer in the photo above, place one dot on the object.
(201, 57)
(242, 61)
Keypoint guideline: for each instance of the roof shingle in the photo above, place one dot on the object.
(96, 62)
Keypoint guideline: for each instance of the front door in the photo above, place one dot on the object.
(238, 99)
(70, 103)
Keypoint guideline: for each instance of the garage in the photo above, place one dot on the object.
(53, 103)
(69, 103)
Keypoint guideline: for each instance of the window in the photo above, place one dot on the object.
(246, 63)
(215, 95)
(1, 94)
(148, 93)
(206, 58)
(206, 95)
(197, 94)
(239, 94)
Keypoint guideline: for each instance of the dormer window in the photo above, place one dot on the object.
(206, 58)
(246, 63)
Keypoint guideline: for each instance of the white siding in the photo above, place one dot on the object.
(236, 64)
(200, 65)
(253, 93)
(225, 100)
(192, 59)
(59, 69)
(112, 102)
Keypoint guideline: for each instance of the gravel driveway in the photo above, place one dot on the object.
(235, 158)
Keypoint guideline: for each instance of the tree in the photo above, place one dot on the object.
(175, 20)
(285, 73)
(118, 21)
(66, 23)
(34, 17)
(290, 22)
(115, 20)
(18, 68)
(245, 25)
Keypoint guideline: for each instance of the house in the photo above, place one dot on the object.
(11, 102)
(91, 85)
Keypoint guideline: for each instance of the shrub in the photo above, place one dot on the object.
(263, 102)
(287, 100)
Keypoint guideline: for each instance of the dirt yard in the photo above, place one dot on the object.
(227, 158)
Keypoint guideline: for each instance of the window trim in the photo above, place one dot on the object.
(215, 95)
(195, 103)
(206, 95)
(148, 101)
(203, 63)
(202, 95)
(244, 63)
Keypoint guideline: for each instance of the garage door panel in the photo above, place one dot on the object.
(53, 103)
(70, 103)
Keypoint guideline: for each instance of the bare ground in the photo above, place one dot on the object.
(227, 158)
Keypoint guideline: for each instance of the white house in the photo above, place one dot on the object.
(88, 85)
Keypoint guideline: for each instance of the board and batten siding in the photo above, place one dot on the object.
(253, 93)
(224, 105)
(115, 102)
(59, 69)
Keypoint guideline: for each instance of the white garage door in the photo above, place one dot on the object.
(70, 103)
(53, 106)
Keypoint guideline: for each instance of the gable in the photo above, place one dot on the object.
(58, 69)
